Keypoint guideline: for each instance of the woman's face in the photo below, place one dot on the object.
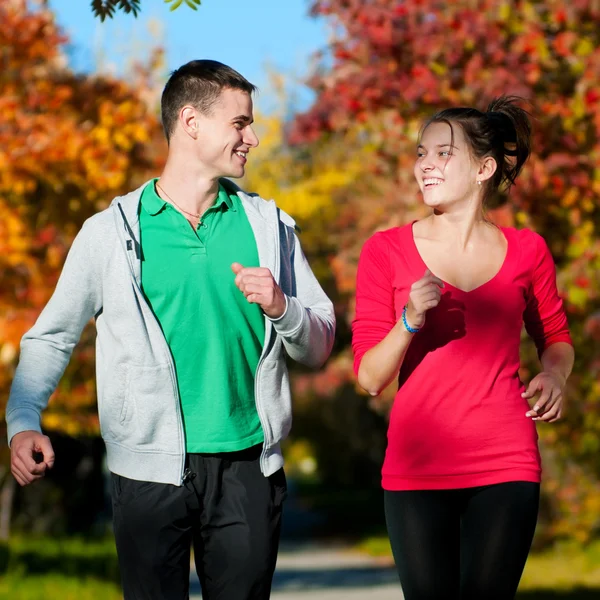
(445, 169)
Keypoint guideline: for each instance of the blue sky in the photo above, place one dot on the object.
(252, 36)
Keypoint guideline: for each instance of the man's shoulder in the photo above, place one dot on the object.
(234, 189)
(101, 225)
(260, 204)
(99, 222)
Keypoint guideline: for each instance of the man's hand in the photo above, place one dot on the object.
(549, 406)
(31, 454)
(259, 287)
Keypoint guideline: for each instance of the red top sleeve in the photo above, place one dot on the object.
(544, 316)
(375, 315)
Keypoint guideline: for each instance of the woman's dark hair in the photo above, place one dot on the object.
(502, 132)
(198, 83)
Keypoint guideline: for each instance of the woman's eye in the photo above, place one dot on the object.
(445, 153)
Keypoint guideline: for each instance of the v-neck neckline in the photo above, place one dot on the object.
(495, 277)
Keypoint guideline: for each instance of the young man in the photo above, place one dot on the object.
(198, 290)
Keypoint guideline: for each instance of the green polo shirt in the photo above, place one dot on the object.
(214, 334)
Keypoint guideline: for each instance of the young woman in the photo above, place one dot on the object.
(440, 305)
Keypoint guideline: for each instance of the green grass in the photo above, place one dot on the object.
(565, 572)
(563, 568)
(73, 557)
(65, 568)
(35, 587)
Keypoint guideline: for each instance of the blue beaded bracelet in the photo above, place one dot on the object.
(405, 322)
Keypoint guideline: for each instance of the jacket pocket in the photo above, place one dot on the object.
(139, 409)
(154, 424)
(113, 409)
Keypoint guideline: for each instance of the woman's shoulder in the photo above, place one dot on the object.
(525, 237)
(532, 248)
(392, 235)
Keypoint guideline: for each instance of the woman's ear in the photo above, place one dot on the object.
(487, 168)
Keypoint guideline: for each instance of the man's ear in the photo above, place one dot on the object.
(188, 119)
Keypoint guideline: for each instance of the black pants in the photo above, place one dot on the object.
(229, 511)
(463, 544)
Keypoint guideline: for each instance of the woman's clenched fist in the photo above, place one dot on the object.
(424, 294)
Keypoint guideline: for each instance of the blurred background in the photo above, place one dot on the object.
(345, 86)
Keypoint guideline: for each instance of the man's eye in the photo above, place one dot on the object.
(420, 154)
(239, 125)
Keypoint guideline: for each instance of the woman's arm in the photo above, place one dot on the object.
(379, 338)
(381, 364)
(546, 322)
(557, 362)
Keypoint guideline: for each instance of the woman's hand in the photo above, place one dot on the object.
(549, 406)
(424, 295)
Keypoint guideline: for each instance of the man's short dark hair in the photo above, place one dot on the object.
(198, 83)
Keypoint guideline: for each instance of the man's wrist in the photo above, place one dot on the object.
(280, 311)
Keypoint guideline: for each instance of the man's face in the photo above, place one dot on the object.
(226, 135)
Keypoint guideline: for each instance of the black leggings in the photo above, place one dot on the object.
(462, 544)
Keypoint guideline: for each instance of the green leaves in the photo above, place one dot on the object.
(193, 4)
(107, 8)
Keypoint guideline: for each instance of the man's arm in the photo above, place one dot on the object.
(45, 352)
(305, 322)
(307, 327)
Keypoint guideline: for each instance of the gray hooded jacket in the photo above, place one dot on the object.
(138, 397)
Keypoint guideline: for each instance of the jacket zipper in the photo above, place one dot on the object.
(268, 335)
(182, 469)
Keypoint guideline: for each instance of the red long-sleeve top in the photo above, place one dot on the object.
(458, 418)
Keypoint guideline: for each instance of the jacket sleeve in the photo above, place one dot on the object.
(307, 327)
(47, 347)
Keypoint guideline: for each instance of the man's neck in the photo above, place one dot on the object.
(188, 190)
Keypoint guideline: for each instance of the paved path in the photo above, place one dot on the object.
(311, 572)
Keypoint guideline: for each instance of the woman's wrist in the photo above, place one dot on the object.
(558, 375)
(406, 322)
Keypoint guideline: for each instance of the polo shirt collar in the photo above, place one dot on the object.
(153, 203)
(224, 198)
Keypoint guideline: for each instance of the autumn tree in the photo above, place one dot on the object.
(68, 144)
(394, 63)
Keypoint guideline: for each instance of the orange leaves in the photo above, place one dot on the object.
(564, 42)
(68, 144)
(14, 237)
(27, 41)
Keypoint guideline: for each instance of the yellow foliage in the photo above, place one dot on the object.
(584, 47)
(301, 190)
(570, 198)
(504, 11)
